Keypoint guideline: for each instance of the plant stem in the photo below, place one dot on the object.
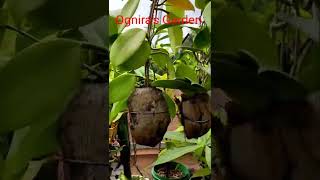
(9, 27)
(147, 65)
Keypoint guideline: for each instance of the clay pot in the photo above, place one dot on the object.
(149, 116)
(195, 114)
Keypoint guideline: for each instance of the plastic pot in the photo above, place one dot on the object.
(171, 165)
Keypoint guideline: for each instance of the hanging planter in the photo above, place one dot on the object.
(148, 115)
(195, 114)
(194, 106)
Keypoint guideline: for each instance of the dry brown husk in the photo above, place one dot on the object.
(195, 115)
(149, 116)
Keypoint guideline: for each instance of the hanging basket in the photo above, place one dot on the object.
(113, 131)
(148, 115)
(195, 114)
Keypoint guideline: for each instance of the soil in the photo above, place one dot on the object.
(170, 173)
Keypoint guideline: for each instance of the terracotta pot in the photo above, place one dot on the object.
(149, 116)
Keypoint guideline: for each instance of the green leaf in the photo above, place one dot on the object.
(33, 169)
(117, 108)
(208, 156)
(207, 15)
(246, 87)
(138, 59)
(185, 71)
(201, 4)
(20, 8)
(126, 45)
(171, 105)
(238, 31)
(96, 32)
(178, 136)
(181, 4)
(43, 31)
(202, 39)
(282, 86)
(69, 14)
(128, 11)
(165, 26)
(201, 172)
(175, 32)
(44, 72)
(160, 58)
(121, 87)
(179, 84)
(174, 153)
(34, 141)
(112, 26)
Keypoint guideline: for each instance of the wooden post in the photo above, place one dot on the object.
(84, 135)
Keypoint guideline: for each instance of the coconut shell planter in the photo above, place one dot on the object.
(195, 114)
(149, 116)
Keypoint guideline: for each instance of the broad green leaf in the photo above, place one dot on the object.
(40, 31)
(171, 105)
(207, 15)
(175, 32)
(171, 70)
(201, 4)
(160, 58)
(246, 88)
(117, 107)
(208, 156)
(128, 11)
(174, 153)
(36, 75)
(33, 169)
(282, 86)
(112, 26)
(165, 26)
(201, 172)
(68, 14)
(179, 84)
(138, 59)
(34, 141)
(181, 4)
(178, 136)
(121, 87)
(238, 31)
(202, 39)
(96, 32)
(20, 8)
(183, 70)
(126, 45)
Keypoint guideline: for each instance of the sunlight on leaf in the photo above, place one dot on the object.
(174, 153)
(181, 4)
